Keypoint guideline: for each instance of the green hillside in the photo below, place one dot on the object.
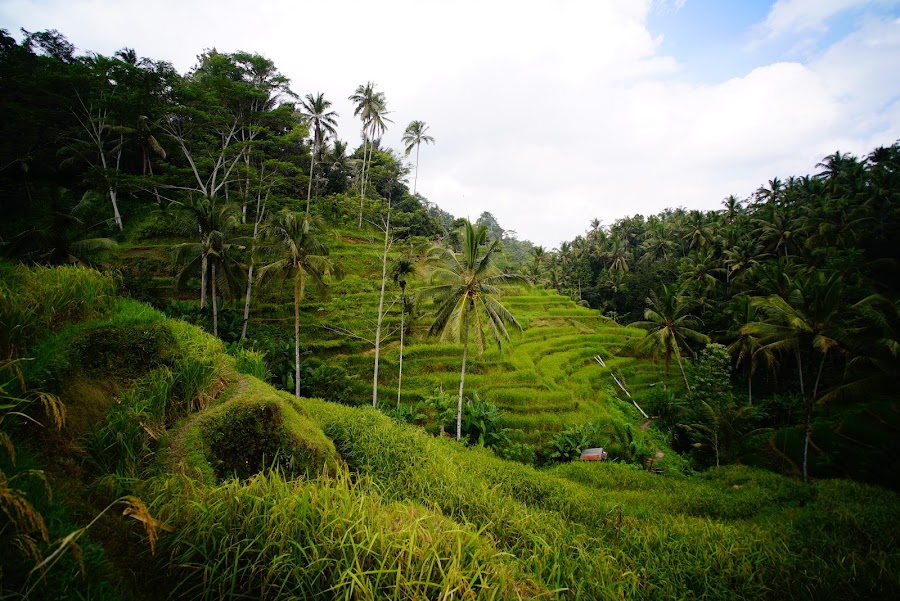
(207, 302)
(353, 505)
(543, 381)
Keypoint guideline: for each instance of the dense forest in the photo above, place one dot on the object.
(192, 261)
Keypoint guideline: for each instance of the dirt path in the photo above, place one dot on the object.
(175, 452)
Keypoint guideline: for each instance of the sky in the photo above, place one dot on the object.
(552, 114)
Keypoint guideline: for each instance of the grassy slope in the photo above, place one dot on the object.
(396, 513)
(544, 380)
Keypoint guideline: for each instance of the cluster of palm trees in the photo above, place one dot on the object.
(799, 281)
(289, 247)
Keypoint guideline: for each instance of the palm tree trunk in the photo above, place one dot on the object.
(258, 219)
(297, 335)
(800, 370)
(203, 268)
(312, 164)
(807, 429)
(362, 179)
(215, 305)
(462, 376)
(681, 367)
(384, 257)
(750, 390)
(247, 301)
(400, 370)
(416, 178)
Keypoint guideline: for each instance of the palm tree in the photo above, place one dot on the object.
(618, 254)
(733, 209)
(779, 232)
(746, 350)
(371, 108)
(698, 231)
(304, 258)
(809, 318)
(671, 327)
(213, 254)
(413, 137)
(772, 195)
(740, 257)
(323, 124)
(466, 288)
(698, 274)
(402, 269)
(657, 243)
(340, 167)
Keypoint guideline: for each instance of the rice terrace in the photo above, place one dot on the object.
(242, 358)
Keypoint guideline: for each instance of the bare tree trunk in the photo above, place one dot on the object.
(215, 305)
(259, 217)
(297, 334)
(462, 376)
(246, 192)
(312, 164)
(384, 257)
(111, 189)
(95, 127)
(400, 370)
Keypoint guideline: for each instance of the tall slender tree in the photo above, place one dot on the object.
(214, 254)
(671, 327)
(323, 123)
(371, 108)
(809, 320)
(303, 258)
(466, 288)
(388, 242)
(401, 271)
(414, 135)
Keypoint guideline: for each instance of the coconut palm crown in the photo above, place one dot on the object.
(466, 287)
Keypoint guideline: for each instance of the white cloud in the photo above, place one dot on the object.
(793, 16)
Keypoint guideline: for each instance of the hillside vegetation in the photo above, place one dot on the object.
(250, 385)
(246, 491)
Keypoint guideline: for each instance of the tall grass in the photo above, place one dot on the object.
(603, 531)
(328, 538)
(37, 300)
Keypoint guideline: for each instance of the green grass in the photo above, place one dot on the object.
(364, 508)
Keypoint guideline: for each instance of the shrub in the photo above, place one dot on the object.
(246, 439)
(329, 382)
(250, 362)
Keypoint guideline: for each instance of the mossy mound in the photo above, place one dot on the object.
(254, 429)
(246, 438)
